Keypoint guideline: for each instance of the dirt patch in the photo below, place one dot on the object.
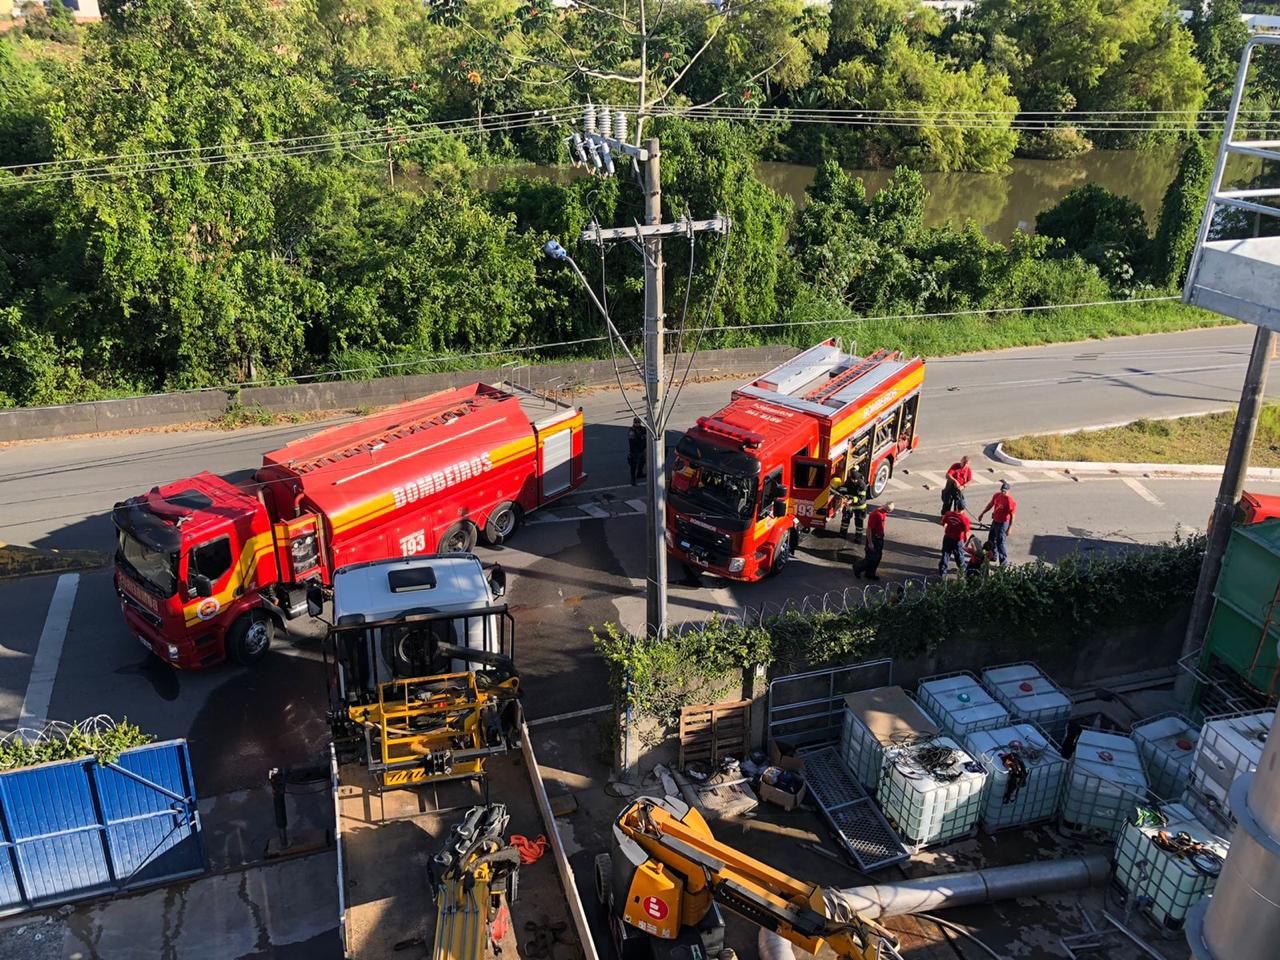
(18, 562)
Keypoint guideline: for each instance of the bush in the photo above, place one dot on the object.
(103, 740)
(1048, 605)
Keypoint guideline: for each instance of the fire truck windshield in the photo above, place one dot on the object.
(156, 567)
(713, 493)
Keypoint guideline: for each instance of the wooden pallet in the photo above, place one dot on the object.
(711, 731)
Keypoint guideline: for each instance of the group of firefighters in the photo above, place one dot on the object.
(852, 496)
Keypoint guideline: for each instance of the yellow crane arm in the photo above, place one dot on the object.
(678, 869)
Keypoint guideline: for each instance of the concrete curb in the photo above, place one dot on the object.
(1128, 469)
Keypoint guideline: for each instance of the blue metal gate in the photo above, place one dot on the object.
(77, 828)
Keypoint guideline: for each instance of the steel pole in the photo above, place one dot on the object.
(1233, 477)
(656, 586)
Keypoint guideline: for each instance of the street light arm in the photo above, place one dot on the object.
(557, 252)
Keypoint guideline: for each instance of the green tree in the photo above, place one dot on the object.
(1104, 228)
(28, 89)
(1220, 35)
(1092, 55)
(1180, 214)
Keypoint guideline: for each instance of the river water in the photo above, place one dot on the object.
(999, 202)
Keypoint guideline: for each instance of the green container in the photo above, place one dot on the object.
(1246, 590)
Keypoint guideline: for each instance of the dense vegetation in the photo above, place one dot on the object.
(1036, 611)
(230, 240)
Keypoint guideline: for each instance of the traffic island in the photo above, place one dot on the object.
(1176, 446)
(18, 562)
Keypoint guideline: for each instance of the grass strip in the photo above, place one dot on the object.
(1201, 439)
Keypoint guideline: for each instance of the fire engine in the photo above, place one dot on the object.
(206, 568)
(747, 480)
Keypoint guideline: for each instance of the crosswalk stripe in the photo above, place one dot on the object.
(593, 511)
(638, 506)
(932, 478)
(1053, 474)
(979, 481)
(893, 483)
(1015, 476)
(1137, 487)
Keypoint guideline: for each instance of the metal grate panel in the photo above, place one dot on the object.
(858, 823)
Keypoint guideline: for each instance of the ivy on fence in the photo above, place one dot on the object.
(1042, 604)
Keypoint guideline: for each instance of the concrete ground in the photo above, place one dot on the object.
(578, 565)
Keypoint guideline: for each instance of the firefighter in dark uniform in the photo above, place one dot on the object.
(852, 495)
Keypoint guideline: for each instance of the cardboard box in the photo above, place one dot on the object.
(777, 758)
(780, 798)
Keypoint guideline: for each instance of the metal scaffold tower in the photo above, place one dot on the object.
(1240, 278)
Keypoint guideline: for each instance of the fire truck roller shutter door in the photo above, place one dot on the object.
(556, 450)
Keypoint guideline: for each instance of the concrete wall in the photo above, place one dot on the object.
(32, 423)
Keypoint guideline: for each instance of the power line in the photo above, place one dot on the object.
(341, 141)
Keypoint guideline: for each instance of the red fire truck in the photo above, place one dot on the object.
(748, 479)
(207, 568)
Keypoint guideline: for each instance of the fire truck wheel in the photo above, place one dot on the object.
(250, 637)
(502, 523)
(460, 538)
(782, 553)
(878, 482)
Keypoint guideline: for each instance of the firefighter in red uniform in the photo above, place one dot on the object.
(958, 477)
(1002, 507)
(955, 531)
(866, 567)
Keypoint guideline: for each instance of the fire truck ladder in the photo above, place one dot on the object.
(376, 442)
(839, 382)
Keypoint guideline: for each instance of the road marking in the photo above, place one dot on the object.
(1137, 487)
(592, 510)
(573, 714)
(1015, 476)
(893, 483)
(1054, 474)
(545, 518)
(638, 506)
(44, 666)
(978, 481)
(616, 486)
(928, 477)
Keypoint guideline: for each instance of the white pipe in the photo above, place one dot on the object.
(927, 894)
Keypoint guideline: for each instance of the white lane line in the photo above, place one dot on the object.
(592, 510)
(44, 666)
(589, 711)
(638, 506)
(1137, 487)
(616, 486)
(893, 483)
(1015, 476)
(932, 478)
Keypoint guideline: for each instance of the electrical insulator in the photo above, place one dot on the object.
(620, 127)
(589, 118)
(578, 152)
(593, 151)
(605, 120)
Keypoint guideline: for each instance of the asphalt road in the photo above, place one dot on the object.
(581, 563)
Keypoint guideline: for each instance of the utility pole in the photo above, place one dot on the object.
(598, 151)
(1233, 477)
(654, 365)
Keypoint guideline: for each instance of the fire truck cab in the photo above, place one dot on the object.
(747, 480)
(207, 569)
